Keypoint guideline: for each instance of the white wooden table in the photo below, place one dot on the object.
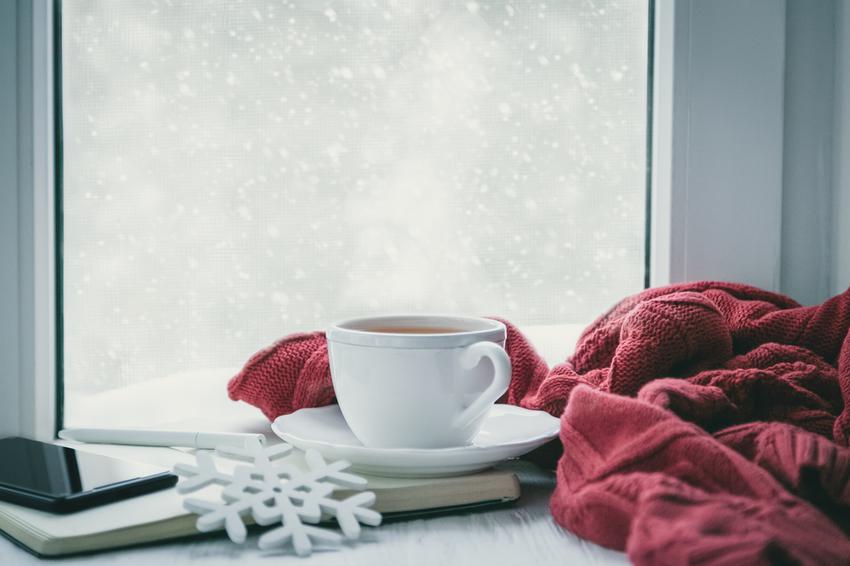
(523, 533)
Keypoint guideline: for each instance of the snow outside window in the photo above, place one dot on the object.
(238, 170)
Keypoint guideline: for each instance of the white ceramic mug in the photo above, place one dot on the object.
(398, 389)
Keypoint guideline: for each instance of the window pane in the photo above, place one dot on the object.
(235, 171)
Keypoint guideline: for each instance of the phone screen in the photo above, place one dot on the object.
(56, 471)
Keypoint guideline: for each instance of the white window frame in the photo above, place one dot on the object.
(718, 115)
(839, 232)
(28, 285)
(716, 192)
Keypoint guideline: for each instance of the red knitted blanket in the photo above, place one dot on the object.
(703, 423)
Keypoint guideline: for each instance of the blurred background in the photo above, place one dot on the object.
(237, 171)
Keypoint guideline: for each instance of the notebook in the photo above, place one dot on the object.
(160, 516)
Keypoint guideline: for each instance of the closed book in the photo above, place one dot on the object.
(160, 516)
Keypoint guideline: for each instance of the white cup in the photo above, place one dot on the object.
(398, 389)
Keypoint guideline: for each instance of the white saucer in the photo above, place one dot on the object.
(507, 432)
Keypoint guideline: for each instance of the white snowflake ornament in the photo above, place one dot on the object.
(276, 492)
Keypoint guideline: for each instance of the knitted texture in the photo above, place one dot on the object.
(705, 423)
(290, 374)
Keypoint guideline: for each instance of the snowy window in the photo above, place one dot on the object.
(239, 170)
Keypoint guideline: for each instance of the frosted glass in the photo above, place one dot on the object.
(236, 171)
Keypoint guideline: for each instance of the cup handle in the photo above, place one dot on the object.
(469, 358)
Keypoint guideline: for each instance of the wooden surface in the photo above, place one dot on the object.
(523, 533)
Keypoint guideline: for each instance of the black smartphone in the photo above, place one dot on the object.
(62, 480)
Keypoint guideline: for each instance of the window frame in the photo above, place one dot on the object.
(717, 168)
(691, 223)
(30, 408)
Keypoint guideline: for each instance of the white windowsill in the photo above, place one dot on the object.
(465, 538)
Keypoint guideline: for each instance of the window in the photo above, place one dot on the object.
(236, 171)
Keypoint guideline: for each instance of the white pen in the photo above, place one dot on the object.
(146, 437)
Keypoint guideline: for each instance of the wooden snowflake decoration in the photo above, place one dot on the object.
(278, 493)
